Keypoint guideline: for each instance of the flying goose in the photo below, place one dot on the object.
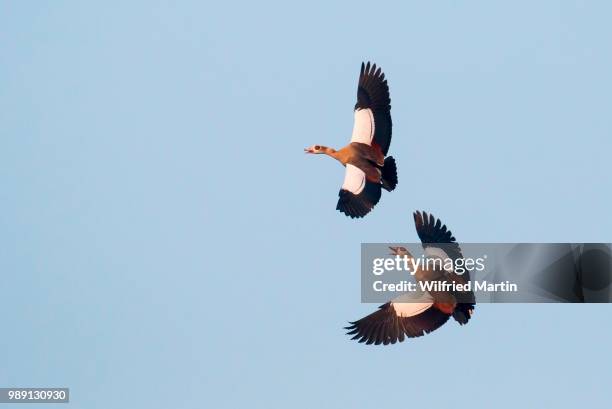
(367, 167)
(397, 320)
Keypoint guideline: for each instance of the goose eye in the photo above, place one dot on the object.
(317, 147)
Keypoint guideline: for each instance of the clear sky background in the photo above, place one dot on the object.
(165, 243)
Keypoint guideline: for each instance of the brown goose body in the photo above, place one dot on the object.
(367, 158)
(368, 169)
(406, 317)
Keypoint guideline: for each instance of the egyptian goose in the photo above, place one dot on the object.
(396, 320)
(367, 169)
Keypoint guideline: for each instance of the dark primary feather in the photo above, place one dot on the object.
(433, 233)
(373, 93)
(359, 205)
(385, 327)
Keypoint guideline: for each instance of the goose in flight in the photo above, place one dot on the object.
(368, 170)
(397, 320)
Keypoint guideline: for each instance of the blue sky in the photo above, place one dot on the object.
(164, 241)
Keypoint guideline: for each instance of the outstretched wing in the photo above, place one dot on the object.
(395, 322)
(358, 195)
(438, 241)
(372, 124)
(436, 238)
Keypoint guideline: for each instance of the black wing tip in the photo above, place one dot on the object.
(427, 221)
(420, 218)
(384, 327)
(351, 212)
(369, 68)
(357, 206)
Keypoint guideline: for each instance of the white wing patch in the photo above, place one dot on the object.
(363, 127)
(407, 306)
(354, 179)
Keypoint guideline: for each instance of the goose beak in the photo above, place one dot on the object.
(394, 250)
